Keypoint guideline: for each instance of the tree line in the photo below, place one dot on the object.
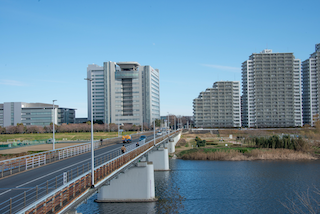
(63, 128)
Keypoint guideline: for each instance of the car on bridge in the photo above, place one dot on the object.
(142, 137)
(159, 133)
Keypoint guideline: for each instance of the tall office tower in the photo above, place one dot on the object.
(311, 87)
(38, 114)
(271, 90)
(218, 106)
(124, 92)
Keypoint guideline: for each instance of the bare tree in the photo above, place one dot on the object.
(135, 128)
(2, 130)
(86, 127)
(146, 126)
(64, 127)
(20, 129)
(11, 129)
(127, 127)
(305, 202)
(113, 127)
(98, 127)
(32, 129)
(40, 129)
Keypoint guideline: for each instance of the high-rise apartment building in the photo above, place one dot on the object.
(271, 88)
(311, 87)
(218, 106)
(124, 92)
(38, 114)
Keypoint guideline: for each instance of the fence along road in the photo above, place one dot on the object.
(16, 165)
(27, 181)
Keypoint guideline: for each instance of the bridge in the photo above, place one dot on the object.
(58, 181)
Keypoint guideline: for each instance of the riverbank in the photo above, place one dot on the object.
(241, 155)
(234, 147)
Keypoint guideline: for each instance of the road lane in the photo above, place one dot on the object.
(18, 183)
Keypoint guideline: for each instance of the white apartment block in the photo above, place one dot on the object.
(124, 92)
(271, 90)
(218, 106)
(38, 114)
(311, 87)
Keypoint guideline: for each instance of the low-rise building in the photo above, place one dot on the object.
(38, 114)
(81, 120)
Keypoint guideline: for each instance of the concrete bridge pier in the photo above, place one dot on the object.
(135, 185)
(72, 211)
(171, 146)
(172, 143)
(160, 158)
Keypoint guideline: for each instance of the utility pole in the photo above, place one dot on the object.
(53, 125)
(92, 146)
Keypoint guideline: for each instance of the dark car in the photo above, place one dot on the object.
(142, 137)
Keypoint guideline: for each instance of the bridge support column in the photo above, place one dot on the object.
(72, 211)
(171, 146)
(135, 185)
(160, 159)
(172, 143)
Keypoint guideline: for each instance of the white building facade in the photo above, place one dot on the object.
(37, 114)
(271, 90)
(124, 92)
(311, 87)
(219, 106)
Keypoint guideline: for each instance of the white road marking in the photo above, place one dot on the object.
(62, 169)
(5, 192)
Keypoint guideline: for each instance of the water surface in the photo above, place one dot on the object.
(222, 187)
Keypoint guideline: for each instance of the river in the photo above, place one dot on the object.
(223, 187)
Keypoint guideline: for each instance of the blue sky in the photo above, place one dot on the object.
(46, 45)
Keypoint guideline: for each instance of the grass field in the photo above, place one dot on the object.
(216, 148)
(61, 136)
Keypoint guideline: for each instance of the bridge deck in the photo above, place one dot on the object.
(35, 182)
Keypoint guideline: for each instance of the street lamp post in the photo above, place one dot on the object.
(118, 125)
(168, 125)
(54, 121)
(92, 147)
(154, 132)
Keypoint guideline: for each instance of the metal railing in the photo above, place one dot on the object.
(59, 191)
(15, 165)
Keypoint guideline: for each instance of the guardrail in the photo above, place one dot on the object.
(59, 191)
(15, 165)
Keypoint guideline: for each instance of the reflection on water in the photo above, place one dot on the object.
(221, 187)
(134, 208)
(168, 193)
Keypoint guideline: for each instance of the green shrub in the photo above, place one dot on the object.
(200, 142)
(211, 143)
(286, 142)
